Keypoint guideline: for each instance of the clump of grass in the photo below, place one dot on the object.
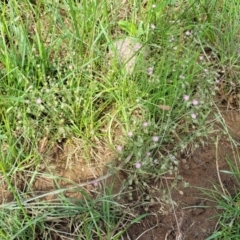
(228, 223)
(228, 206)
(101, 217)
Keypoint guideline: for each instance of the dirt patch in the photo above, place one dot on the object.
(192, 213)
(67, 164)
(63, 166)
(5, 193)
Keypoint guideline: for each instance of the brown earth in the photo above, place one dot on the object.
(63, 166)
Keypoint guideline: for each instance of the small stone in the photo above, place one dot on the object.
(184, 160)
(198, 211)
(127, 52)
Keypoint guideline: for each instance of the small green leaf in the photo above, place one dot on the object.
(128, 27)
(140, 30)
(3, 136)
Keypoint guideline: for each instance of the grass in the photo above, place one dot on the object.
(228, 205)
(59, 83)
(89, 218)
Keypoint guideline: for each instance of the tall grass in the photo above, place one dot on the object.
(58, 83)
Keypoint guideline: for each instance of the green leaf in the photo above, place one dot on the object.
(140, 30)
(3, 136)
(128, 27)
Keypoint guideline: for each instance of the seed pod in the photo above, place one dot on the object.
(130, 181)
(136, 181)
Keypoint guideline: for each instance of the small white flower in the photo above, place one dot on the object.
(150, 70)
(152, 26)
(119, 148)
(38, 100)
(193, 115)
(145, 124)
(186, 97)
(138, 165)
(155, 138)
(195, 102)
(171, 39)
(95, 183)
(130, 134)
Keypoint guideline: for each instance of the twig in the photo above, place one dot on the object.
(217, 168)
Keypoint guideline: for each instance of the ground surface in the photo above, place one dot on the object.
(193, 216)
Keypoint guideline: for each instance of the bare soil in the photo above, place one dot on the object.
(63, 165)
